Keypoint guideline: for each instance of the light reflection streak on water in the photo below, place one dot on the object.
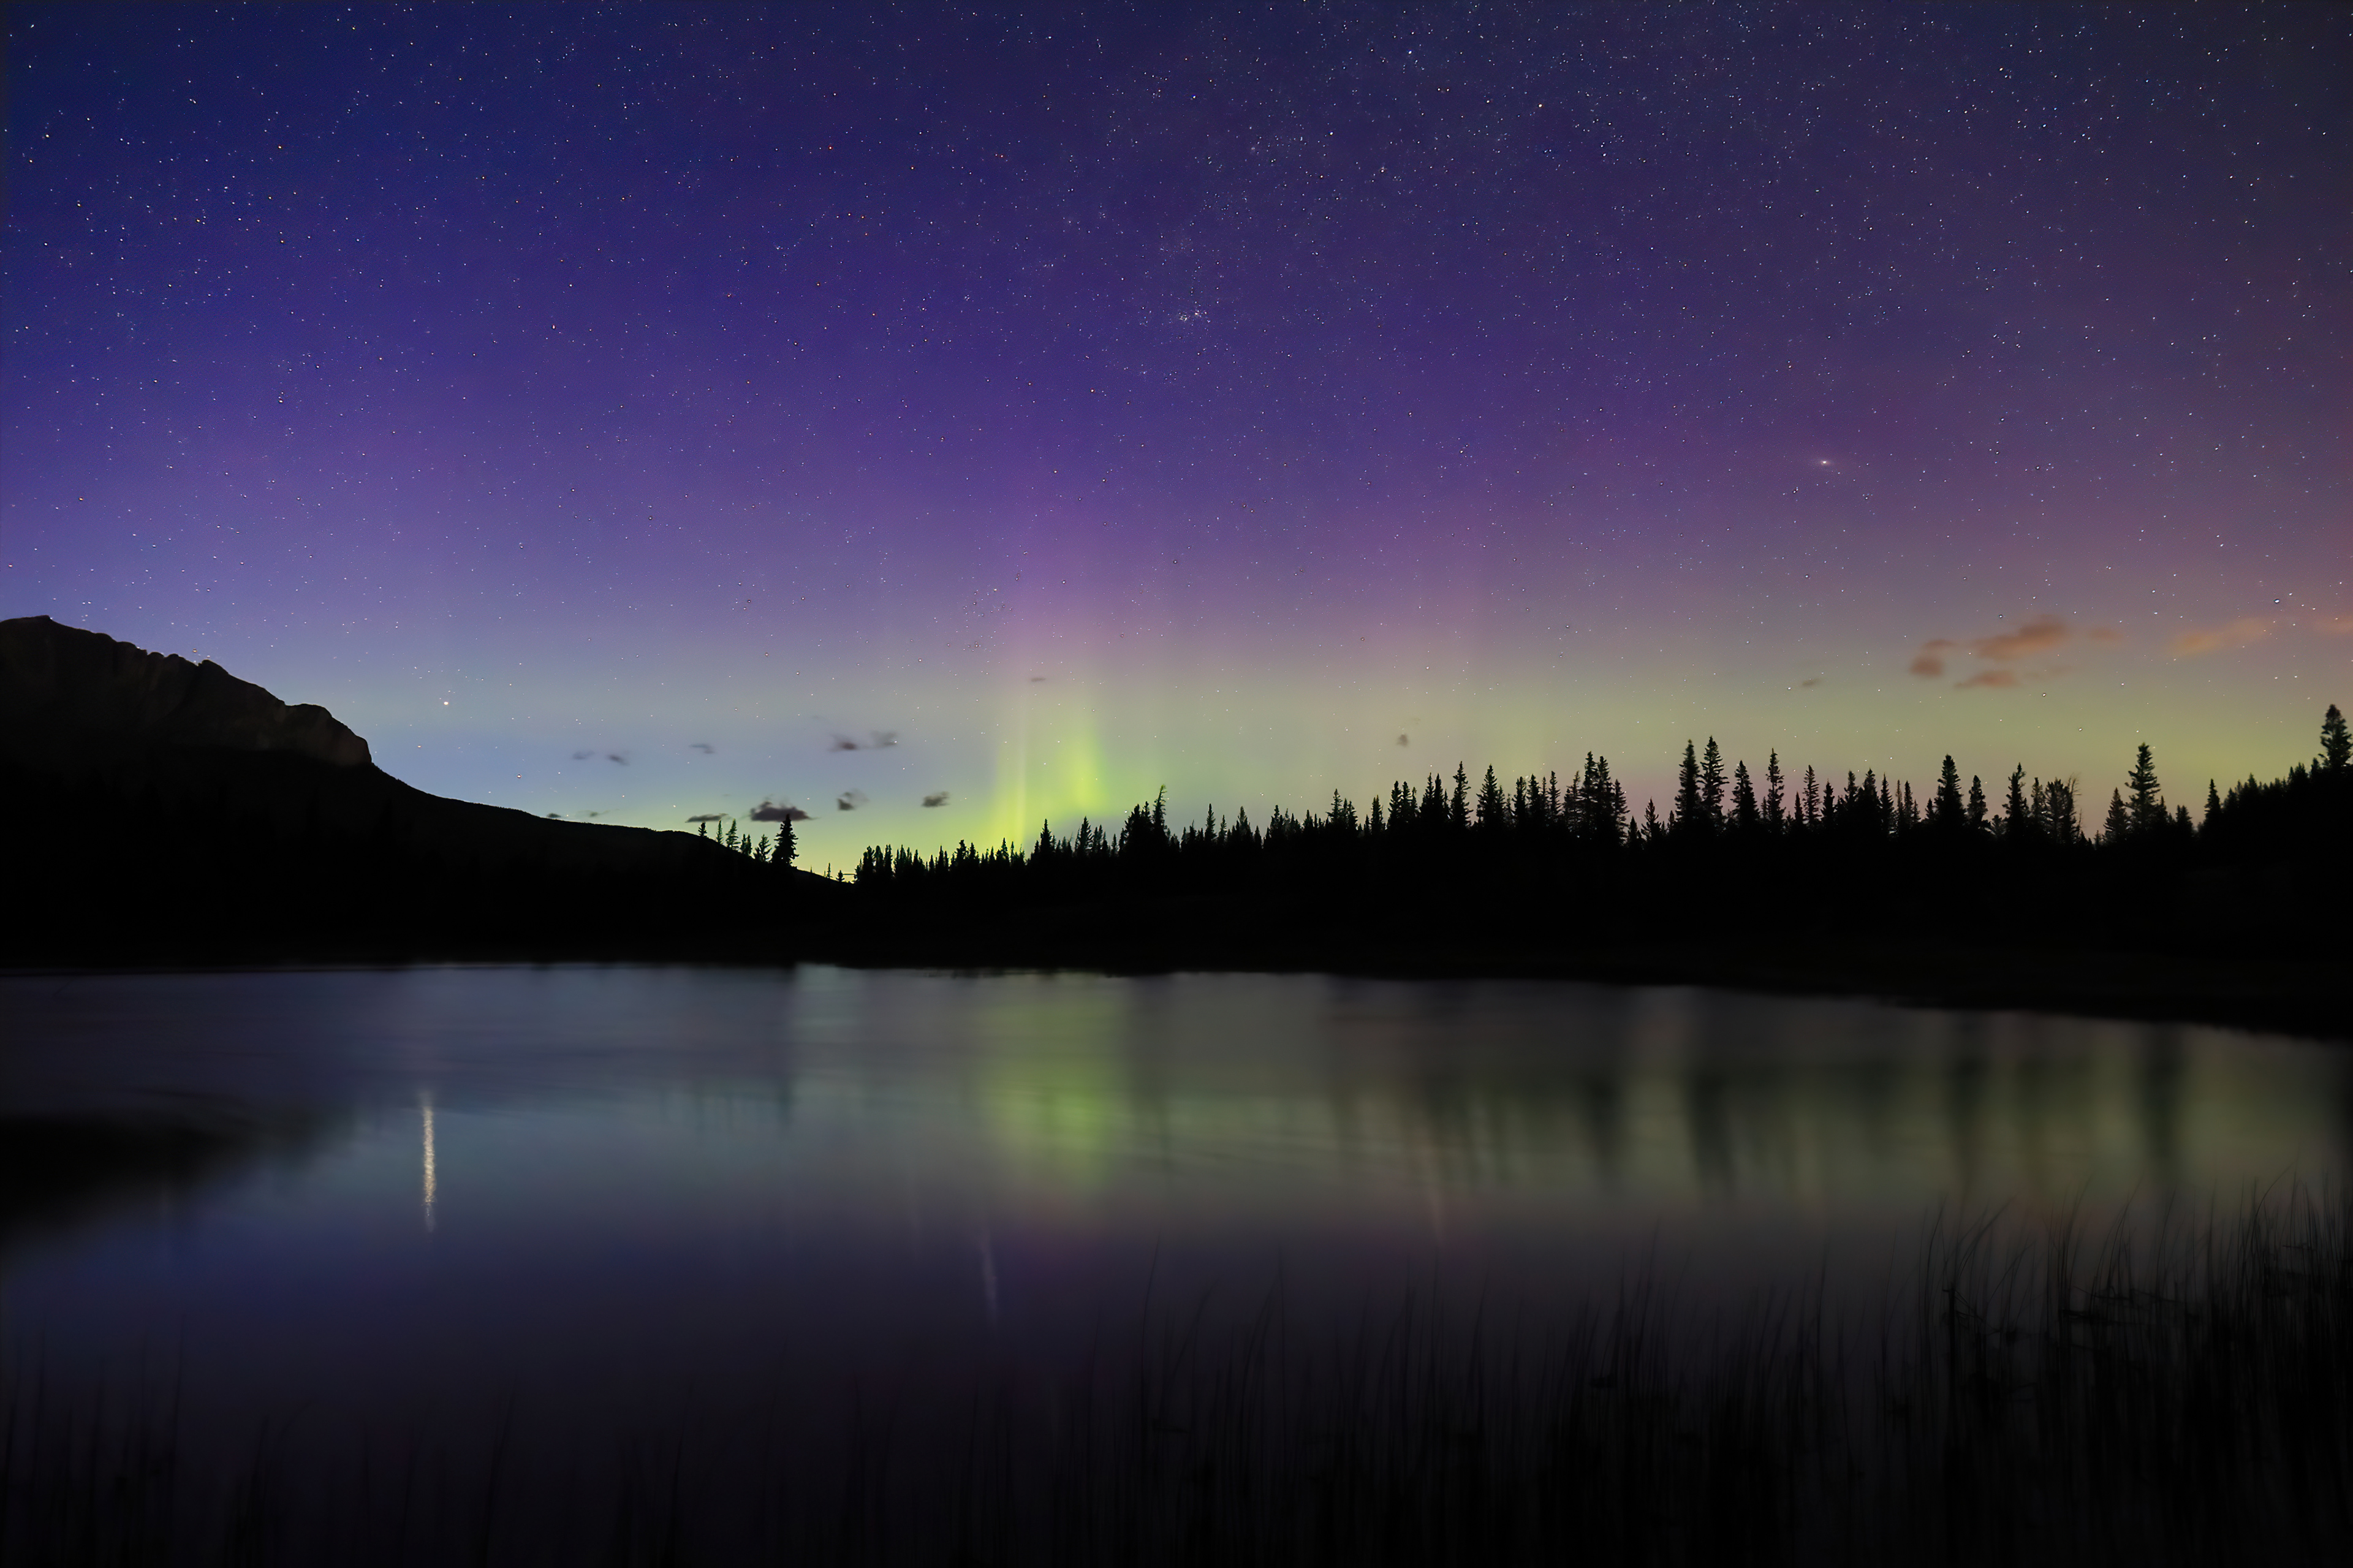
(426, 1108)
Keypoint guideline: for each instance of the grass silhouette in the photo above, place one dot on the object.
(2175, 1389)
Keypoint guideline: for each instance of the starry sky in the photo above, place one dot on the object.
(938, 422)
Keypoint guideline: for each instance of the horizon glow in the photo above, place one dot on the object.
(1095, 404)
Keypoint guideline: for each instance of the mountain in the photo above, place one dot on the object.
(162, 811)
(77, 689)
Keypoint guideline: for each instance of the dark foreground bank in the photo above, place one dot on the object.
(2177, 1393)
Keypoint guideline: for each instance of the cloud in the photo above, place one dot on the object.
(709, 817)
(1812, 680)
(2220, 639)
(2000, 679)
(1036, 679)
(1403, 741)
(620, 757)
(937, 797)
(771, 811)
(705, 747)
(842, 743)
(2038, 636)
(849, 800)
(1930, 660)
(879, 740)
(2104, 634)
(582, 756)
(2335, 625)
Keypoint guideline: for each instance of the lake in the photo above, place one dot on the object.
(441, 1210)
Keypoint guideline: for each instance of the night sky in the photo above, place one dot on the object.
(652, 412)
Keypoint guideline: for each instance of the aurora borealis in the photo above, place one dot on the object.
(649, 412)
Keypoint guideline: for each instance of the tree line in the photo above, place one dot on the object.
(1536, 825)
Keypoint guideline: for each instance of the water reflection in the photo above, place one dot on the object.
(602, 1107)
(426, 1110)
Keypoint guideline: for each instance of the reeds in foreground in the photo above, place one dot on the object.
(2173, 1392)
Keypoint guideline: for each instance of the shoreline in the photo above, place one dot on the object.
(2310, 998)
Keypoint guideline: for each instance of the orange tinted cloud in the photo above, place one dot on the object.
(2335, 625)
(2002, 678)
(2216, 639)
(2039, 635)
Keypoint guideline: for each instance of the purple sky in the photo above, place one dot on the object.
(1258, 405)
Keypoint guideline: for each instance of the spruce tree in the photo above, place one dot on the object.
(1689, 813)
(1948, 796)
(1774, 784)
(1711, 782)
(2148, 809)
(1493, 814)
(1457, 806)
(2213, 803)
(2016, 814)
(783, 857)
(1744, 800)
(2119, 825)
(2059, 801)
(2335, 748)
(1977, 810)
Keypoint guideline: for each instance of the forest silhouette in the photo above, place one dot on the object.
(1540, 834)
(173, 814)
(1551, 875)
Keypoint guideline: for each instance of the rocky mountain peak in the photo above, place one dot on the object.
(65, 678)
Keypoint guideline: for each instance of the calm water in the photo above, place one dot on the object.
(612, 1195)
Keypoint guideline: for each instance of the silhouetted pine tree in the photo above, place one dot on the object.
(2059, 816)
(1745, 819)
(1493, 816)
(2148, 809)
(1457, 806)
(1948, 796)
(1774, 785)
(2335, 748)
(2119, 825)
(1711, 785)
(1688, 815)
(1977, 809)
(2017, 815)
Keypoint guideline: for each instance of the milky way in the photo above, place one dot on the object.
(938, 425)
